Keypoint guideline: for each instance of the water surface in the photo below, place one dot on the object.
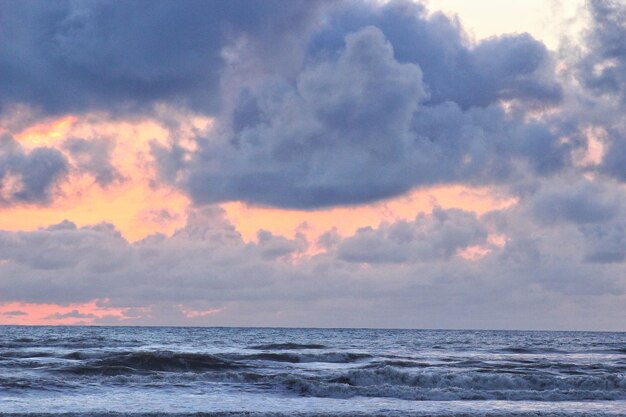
(105, 371)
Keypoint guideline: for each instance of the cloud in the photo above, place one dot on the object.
(507, 67)
(601, 69)
(349, 103)
(28, 177)
(360, 125)
(93, 156)
(428, 238)
(63, 246)
(72, 57)
(595, 209)
(399, 274)
(316, 137)
(14, 313)
(582, 202)
(606, 243)
(74, 314)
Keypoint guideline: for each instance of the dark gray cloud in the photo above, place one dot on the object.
(28, 177)
(581, 203)
(67, 56)
(70, 57)
(614, 161)
(605, 243)
(316, 104)
(603, 67)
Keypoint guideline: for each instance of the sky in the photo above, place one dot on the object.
(397, 164)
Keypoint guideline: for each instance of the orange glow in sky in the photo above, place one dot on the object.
(138, 206)
(52, 314)
(346, 220)
(46, 133)
(134, 204)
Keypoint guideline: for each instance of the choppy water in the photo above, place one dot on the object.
(105, 371)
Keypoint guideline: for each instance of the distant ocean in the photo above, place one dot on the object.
(130, 371)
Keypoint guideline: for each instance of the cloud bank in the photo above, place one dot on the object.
(410, 273)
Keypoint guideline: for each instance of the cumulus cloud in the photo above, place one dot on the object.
(364, 122)
(348, 103)
(428, 238)
(314, 139)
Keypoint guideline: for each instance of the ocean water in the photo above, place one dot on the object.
(130, 371)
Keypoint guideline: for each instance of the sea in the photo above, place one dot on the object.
(258, 372)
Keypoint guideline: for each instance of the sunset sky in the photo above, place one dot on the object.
(448, 164)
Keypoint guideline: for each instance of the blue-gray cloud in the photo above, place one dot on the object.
(74, 314)
(28, 177)
(428, 238)
(316, 104)
(581, 203)
(94, 157)
(601, 69)
(507, 67)
(400, 274)
(341, 134)
(359, 125)
(14, 313)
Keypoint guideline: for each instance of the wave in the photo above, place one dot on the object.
(419, 386)
(619, 351)
(24, 354)
(327, 357)
(399, 363)
(287, 346)
(15, 383)
(383, 413)
(155, 361)
(391, 382)
(521, 350)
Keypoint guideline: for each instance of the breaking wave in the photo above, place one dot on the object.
(287, 346)
(157, 361)
(386, 413)
(327, 357)
(390, 382)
